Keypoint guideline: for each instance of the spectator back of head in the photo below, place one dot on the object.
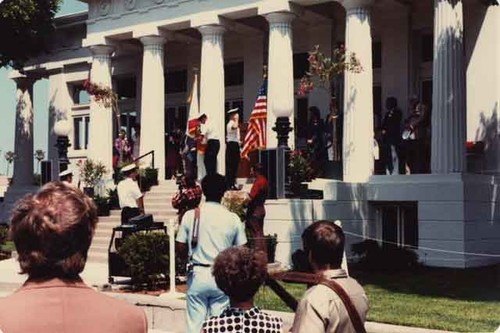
(213, 187)
(239, 272)
(52, 231)
(324, 243)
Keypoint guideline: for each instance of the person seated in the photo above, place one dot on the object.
(52, 231)
(239, 272)
(322, 310)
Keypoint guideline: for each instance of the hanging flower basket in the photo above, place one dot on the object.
(104, 96)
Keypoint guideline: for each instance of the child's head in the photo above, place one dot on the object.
(239, 272)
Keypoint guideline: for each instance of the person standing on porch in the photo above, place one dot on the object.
(129, 195)
(203, 234)
(316, 140)
(233, 148)
(123, 149)
(391, 136)
(212, 142)
(255, 207)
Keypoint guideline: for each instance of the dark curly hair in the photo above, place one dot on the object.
(52, 231)
(239, 272)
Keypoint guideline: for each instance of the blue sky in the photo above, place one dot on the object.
(41, 91)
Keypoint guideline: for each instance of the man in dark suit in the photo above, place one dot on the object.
(391, 136)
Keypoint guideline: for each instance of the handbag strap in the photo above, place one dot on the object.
(351, 310)
(196, 228)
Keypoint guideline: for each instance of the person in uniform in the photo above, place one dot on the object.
(202, 235)
(212, 142)
(129, 195)
(391, 136)
(321, 310)
(232, 148)
(66, 176)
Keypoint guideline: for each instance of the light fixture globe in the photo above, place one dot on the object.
(62, 127)
(282, 108)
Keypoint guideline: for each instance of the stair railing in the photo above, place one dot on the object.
(152, 153)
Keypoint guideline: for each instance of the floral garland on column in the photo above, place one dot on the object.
(105, 96)
(322, 71)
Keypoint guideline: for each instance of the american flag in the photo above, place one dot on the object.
(256, 132)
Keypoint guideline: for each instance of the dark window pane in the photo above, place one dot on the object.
(182, 118)
(87, 125)
(126, 87)
(300, 65)
(389, 225)
(76, 132)
(427, 47)
(410, 228)
(80, 95)
(176, 81)
(377, 54)
(234, 74)
(301, 121)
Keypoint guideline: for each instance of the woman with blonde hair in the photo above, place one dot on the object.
(52, 231)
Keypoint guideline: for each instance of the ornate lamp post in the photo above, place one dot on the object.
(62, 128)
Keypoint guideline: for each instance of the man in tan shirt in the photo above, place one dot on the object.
(321, 310)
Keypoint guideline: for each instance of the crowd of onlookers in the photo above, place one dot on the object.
(401, 145)
(53, 229)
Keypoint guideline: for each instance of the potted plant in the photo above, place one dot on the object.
(148, 177)
(234, 202)
(299, 171)
(102, 204)
(91, 173)
(114, 202)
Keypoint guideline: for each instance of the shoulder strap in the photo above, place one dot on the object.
(351, 310)
(196, 228)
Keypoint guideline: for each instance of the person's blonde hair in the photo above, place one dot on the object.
(52, 231)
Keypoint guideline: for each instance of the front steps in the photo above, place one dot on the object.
(156, 202)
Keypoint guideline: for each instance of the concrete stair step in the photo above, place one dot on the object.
(158, 200)
(103, 233)
(100, 240)
(98, 257)
(160, 205)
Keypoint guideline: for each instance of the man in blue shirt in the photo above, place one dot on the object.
(217, 229)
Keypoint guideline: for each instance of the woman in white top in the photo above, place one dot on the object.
(232, 148)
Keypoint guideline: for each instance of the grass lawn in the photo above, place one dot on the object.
(437, 298)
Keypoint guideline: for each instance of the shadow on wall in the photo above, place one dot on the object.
(488, 132)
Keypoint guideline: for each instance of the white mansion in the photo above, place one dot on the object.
(446, 52)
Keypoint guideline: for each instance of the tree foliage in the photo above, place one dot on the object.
(25, 27)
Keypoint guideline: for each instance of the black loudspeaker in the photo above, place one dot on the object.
(46, 171)
(274, 162)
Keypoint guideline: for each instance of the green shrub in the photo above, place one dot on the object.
(113, 198)
(147, 255)
(4, 233)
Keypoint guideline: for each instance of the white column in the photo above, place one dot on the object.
(60, 104)
(153, 102)
(23, 163)
(101, 118)
(358, 95)
(448, 99)
(280, 72)
(212, 90)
